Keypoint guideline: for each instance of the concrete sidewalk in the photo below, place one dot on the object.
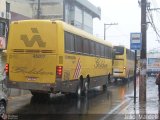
(149, 110)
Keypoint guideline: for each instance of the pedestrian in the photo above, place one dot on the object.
(158, 83)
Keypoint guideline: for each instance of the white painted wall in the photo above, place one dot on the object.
(23, 8)
(3, 8)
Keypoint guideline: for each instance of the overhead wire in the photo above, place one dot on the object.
(151, 21)
(155, 5)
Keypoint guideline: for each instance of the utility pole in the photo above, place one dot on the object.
(109, 26)
(142, 82)
(38, 10)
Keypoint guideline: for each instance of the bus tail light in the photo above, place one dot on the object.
(59, 70)
(7, 69)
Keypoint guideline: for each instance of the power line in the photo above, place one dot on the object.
(110, 24)
(150, 18)
(151, 21)
(155, 5)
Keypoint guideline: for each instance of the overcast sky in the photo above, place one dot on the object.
(127, 13)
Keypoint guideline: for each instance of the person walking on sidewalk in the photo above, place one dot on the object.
(158, 83)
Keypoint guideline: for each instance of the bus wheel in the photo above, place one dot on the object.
(38, 94)
(107, 82)
(34, 93)
(124, 80)
(104, 87)
(115, 80)
(109, 78)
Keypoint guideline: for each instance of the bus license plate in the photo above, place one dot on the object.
(31, 78)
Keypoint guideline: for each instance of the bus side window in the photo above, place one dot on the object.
(69, 42)
(92, 48)
(86, 46)
(102, 51)
(113, 54)
(97, 49)
(105, 51)
(78, 44)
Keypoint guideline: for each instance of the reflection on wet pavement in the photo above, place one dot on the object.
(96, 105)
(148, 110)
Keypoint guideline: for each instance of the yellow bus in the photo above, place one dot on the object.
(123, 63)
(46, 56)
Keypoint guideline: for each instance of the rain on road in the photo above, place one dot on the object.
(97, 104)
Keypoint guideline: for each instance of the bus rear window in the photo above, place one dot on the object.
(118, 50)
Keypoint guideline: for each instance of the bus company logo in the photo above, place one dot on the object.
(77, 70)
(100, 63)
(35, 38)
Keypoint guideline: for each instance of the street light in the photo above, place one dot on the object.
(109, 26)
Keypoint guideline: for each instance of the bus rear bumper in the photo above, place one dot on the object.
(59, 86)
(29, 86)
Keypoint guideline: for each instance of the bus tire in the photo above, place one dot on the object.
(107, 82)
(104, 87)
(34, 93)
(38, 94)
(109, 78)
(2, 108)
(115, 80)
(124, 80)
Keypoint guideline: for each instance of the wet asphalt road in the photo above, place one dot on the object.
(95, 106)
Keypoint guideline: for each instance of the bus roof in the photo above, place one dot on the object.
(82, 33)
(70, 28)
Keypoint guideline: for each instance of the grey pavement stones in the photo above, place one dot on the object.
(149, 110)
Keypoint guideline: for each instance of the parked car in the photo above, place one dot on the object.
(3, 104)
